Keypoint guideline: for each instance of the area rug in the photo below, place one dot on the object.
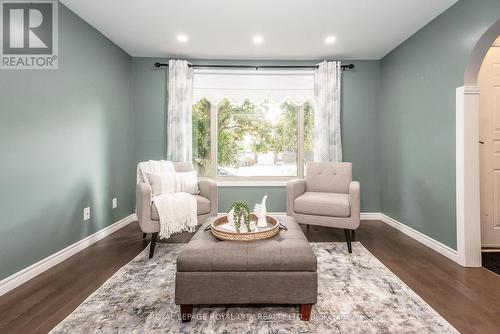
(357, 294)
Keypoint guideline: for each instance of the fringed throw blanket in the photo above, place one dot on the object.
(177, 211)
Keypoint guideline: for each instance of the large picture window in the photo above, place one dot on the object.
(253, 125)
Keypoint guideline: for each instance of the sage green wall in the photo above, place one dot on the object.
(359, 105)
(67, 142)
(417, 118)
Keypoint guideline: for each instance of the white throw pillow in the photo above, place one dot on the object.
(163, 183)
(187, 182)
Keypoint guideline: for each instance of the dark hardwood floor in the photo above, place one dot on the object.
(469, 298)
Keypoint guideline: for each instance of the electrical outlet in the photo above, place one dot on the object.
(115, 203)
(86, 213)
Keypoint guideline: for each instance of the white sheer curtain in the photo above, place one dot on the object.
(327, 84)
(179, 118)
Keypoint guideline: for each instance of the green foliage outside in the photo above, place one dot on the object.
(236, 122)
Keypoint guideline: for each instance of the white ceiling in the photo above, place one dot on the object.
(292, 29)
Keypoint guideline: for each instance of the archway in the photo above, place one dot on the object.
(467, 154)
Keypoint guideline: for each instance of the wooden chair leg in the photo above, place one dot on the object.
(348, 239)
(186, 313)
(305, 311)
(353, 235)
(153, 244)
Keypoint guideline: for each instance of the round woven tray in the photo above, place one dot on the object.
(273, 228)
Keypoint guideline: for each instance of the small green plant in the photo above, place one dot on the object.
(241, 211)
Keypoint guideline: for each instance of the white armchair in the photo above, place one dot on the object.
(149, 221)
(326, 197)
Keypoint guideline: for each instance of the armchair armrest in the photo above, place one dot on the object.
(143, 202)
(355, 200)
(208, 189)
(294, 189)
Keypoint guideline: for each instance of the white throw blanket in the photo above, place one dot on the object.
(177, 211)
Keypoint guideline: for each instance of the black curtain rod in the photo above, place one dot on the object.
(343, 67)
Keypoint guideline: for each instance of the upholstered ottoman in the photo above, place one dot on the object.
(281, 270)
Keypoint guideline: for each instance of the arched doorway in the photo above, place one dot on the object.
(467, 154)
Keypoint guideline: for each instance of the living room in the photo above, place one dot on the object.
(251, 166)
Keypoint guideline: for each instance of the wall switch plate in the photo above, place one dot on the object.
(86, 213)
(115, 203)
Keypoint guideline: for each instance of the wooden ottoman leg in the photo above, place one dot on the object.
(186, 312)
(305, 311)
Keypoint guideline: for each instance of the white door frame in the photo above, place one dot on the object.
(467, 155)
(467, 173)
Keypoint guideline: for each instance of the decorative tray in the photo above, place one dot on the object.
(221, 229)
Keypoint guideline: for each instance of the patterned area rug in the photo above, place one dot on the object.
(357, 294)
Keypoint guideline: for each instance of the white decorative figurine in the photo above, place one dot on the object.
(260, 211)
(230, 218)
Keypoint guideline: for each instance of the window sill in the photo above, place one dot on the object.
(251, 183)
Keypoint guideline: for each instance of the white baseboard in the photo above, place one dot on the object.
(439, 247)
(370, 216)
(13, 281)
(35, 269)
(420, 237)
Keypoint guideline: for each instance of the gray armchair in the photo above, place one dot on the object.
(149, 221)
(326, 197)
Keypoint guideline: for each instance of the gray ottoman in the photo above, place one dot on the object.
(281, 270)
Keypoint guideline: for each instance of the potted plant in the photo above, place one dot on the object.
(241, 214)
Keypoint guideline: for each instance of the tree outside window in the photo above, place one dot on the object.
(253, 139)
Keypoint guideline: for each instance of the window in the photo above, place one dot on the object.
(253, 124)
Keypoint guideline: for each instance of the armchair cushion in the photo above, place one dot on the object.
(202, 203)
(294, 189)
(323, 204)
(329, 177)
(186, 182)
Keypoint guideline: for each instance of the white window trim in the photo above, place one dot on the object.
(252, 181)
(246, 183)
